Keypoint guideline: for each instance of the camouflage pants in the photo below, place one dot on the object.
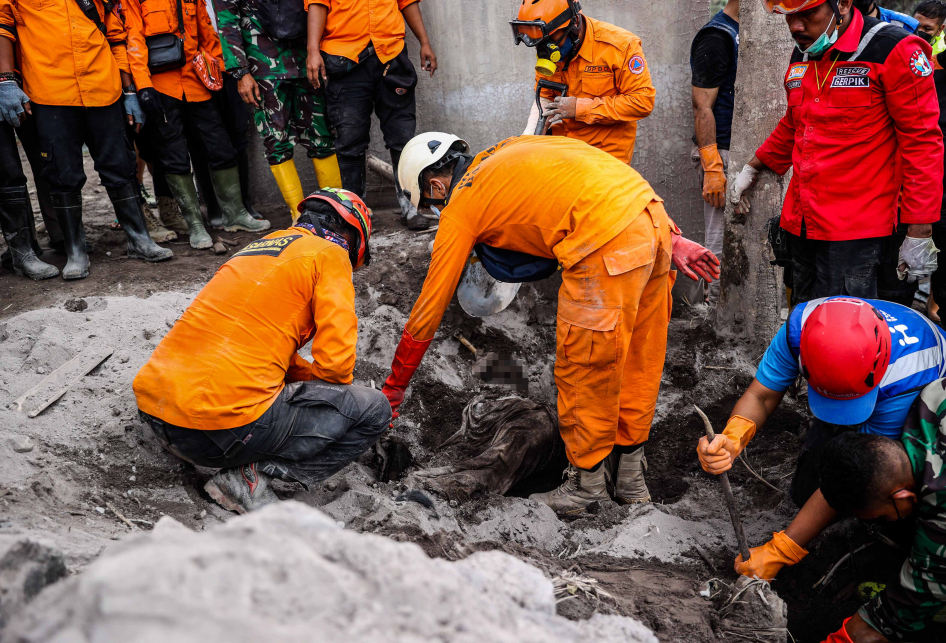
(293, 112)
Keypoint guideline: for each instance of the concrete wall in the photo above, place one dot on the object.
(483, 89)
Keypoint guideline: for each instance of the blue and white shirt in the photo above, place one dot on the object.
(917, 358)
(899, 19)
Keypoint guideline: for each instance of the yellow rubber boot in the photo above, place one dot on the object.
(327, 172)
(287, 178)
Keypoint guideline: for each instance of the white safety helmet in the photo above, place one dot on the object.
(421, 152)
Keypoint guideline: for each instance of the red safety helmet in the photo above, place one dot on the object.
(790, 6)
(538, 19)
(845, 351)
(353, 210)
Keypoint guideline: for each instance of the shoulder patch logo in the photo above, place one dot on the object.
(797, 71)
(920, 65)
(267, 247)
(636, 64)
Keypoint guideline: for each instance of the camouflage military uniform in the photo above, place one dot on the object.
(906, 608)
(293, 111)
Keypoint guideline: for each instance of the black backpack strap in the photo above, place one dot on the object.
(180, 19)
(88, 8)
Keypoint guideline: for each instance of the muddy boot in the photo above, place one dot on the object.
(243, 166)
(627, 471)
(171, 215)
(184, 191)
(241, 489)
(205, 192)
(16, 223)
(353, 170)
(235, 217)
(68, 207)
(128, 210)
(156, 229)
(579, 490)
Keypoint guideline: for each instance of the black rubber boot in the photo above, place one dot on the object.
(16, 221)
(44, 196)
(244, 168)
(68, 207)
(353, 171)
(128, 212)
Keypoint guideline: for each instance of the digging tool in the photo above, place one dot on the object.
(560, 88)
(480, 295)
(727, 493)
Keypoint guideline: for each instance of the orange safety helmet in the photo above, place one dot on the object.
(353, 211)
(538, 19)
(790, 6)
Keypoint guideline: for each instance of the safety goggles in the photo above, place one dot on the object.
(533, 32)
(790, 6)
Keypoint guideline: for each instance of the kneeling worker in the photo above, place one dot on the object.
(561, 201)
(865, 361)
(877, 478)
(226, 388)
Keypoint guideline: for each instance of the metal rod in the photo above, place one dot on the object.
(727, 493)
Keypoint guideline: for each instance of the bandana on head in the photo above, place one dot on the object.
(326, 234)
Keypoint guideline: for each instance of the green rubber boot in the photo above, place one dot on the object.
(185, 193)
(235, 217)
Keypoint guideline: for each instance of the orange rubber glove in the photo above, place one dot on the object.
(718, 456)
(841, 636)
(766, 561)
(714, 176)
(407, 358)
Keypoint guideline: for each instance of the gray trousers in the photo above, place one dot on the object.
(713, 221)
(312, 430)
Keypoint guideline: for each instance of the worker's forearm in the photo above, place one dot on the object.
(127, 79)
(757, 403)
(705, 123)
(755, 163)
(317, 15)
(813, 518)
(920, 230)
(7, 55)
(415, 21)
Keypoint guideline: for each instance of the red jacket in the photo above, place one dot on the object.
(870, 130)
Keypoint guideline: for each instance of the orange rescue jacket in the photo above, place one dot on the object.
(234, 349)
(352, 24)
(64, 58)
(611, 79)
(548, 196)
(153, 17)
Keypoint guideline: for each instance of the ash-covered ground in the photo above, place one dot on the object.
(67, 474)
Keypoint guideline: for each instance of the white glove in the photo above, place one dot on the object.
(917, 258)
(744, 181)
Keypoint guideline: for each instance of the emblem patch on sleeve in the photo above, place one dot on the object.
(267, 247)
(920, 65)
(636, 65)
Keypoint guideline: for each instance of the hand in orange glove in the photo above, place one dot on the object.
(766, 561)
(841, 636)
(717, 456)
(714, 176)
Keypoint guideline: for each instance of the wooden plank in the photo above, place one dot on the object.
(55, 385)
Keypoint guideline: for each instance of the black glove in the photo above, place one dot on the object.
(150, 101)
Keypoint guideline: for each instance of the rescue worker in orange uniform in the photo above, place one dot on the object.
(562, 200)
(77, 85)
(609, 85)
(226, 387)
(179, 98)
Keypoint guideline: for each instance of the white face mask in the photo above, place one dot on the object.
(824, 42)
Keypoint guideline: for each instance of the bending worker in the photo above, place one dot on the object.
(563, 201)
(609, 86)
(226, 387)
(861, 133)
(865, 361)
(886, 479)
